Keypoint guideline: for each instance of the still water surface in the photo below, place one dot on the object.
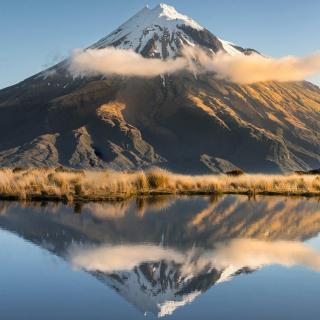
(179, 258)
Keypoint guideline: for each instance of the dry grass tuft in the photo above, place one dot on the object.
(69, 185)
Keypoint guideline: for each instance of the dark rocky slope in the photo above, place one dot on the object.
(178, 122)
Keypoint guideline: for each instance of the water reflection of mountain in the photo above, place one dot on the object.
(181, 259)
(180, 223)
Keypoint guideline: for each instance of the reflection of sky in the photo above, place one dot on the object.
(42, 286)
(315, 80)
(45, 287)
(314, 243)
(271, 293)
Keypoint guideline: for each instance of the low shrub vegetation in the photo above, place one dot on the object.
(85, 185)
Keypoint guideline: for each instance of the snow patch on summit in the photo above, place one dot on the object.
(229, 48)
(170, 13)
(160, 24)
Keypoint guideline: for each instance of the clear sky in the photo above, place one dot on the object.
(35, 34)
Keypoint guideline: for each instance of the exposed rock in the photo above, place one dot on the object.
(183, 123)
(217, 165)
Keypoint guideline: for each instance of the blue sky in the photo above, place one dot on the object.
(35, 34)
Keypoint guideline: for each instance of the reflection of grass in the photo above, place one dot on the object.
(57, 184)
(153, 203)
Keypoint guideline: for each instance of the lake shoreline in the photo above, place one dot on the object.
(120, 198)
(56, 184)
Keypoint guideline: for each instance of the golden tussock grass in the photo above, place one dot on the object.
(69, 185)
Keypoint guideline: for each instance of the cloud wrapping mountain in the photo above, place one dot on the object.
(113, 61)
(243, 69)
(193, 121)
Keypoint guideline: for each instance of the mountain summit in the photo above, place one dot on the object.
(161, 32)
(183, 123)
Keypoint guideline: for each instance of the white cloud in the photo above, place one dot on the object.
(238, 68)
(112, 61)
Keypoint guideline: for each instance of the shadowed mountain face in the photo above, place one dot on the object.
(161, 253)
(179, 122)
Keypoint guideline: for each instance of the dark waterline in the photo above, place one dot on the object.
(226, 257)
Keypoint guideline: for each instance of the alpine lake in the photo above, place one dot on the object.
(228, 257)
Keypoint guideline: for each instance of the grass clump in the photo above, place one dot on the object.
(158, 179)
(68, 185)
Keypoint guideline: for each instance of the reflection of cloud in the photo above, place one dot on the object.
(238, 68)
(254, 253)
(113, 258)
(237, 253)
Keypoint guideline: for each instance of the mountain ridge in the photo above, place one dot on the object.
(179, 122)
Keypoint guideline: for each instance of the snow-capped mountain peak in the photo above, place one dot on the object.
(169, 13)
(161, 32)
